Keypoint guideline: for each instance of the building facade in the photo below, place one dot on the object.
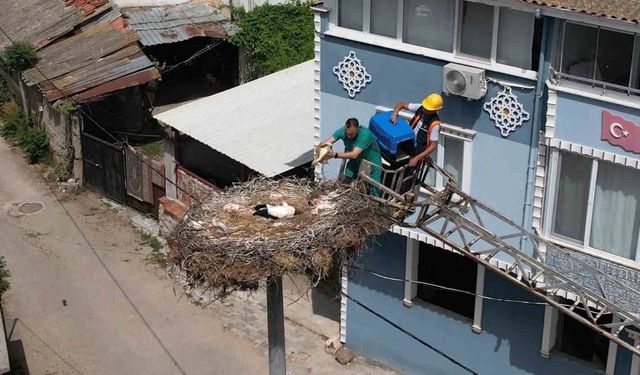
(552, 144)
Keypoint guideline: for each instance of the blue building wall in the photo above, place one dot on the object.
(508, 344)
(579, 120)
(499, 165)
(512, 333)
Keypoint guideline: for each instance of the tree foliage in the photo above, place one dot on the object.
(19, 56)
(275, 37)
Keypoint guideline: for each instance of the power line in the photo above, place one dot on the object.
(391, 278)
(75, 103)
(192, 57)
(396, 326)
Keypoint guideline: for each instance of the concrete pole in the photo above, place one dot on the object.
(275, 325)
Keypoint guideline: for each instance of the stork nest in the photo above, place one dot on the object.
(220, 245)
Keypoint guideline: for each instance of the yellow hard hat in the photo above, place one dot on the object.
(432, 102)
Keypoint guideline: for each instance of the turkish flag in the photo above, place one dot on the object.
(620, 132)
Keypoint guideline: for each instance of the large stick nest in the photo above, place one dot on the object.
(220, 245)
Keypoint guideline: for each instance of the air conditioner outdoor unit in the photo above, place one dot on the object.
(464, 81)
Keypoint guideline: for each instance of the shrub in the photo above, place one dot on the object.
(19, 56)
(4, 275)
(5, 95)
(34, 142)
(66, 108)
(62, 172)
(13, 120)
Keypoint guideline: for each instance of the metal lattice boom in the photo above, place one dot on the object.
(460, 222)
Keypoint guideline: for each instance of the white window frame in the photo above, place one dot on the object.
(494, 37)
(465, 135)
(412, 258)
(550, 206)
(365, 36)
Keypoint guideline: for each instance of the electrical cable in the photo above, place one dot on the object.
(66, 96)
(442, 287)
(192, 57)
(396, 326)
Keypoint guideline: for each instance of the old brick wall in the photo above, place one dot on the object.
(191, 187)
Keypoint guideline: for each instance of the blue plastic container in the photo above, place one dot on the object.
(389, 135)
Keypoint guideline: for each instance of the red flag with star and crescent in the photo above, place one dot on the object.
(620, 132)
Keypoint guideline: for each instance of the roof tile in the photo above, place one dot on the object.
(624, 10)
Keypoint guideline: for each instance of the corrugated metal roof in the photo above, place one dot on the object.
(17, 19)
(624, 10)
(80, 61)
(266, 124)
(159, 25)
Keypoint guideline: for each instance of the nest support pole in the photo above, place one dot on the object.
(275, 325)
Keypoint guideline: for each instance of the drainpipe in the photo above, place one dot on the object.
(543, 73)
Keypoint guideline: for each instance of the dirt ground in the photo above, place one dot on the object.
(88, 297)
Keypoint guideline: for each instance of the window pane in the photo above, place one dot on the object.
(579, 50)
(384, 17)
(453, 158)
(616, 211)
(515, 38)
(477, 29)
(430, 179)
(350, 14)
(614, 57)
(437, 266)
(572, 196)
(429, 23)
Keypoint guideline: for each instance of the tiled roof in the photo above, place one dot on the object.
(624, 10)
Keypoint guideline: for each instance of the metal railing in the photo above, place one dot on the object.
(460, 224)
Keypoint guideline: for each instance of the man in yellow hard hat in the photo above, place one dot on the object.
(425, 124)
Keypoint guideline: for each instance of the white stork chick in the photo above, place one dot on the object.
(282, 211)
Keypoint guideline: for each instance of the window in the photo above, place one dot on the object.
(503, 35)
(350, 14)
(429, 23)
(453, 157)
(477, 29)
(384, 17)
(597, 205)
(597, 55)
(494, 35)
(579, 341)
(514, 27)
(445, 268)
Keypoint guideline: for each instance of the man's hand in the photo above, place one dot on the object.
(394, 118)
(414, 161)
(332, 154)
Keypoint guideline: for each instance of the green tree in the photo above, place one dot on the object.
(19, 56)
(275, 37)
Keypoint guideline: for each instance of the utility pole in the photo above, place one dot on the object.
(275, 325)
